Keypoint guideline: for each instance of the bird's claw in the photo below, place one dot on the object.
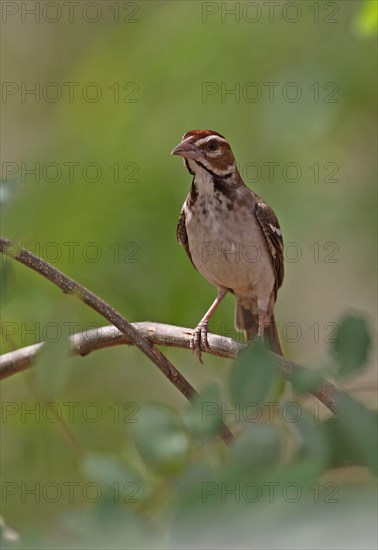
(199, 340)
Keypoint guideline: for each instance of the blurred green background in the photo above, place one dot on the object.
(153, 73)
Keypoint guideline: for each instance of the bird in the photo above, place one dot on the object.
(232, 238)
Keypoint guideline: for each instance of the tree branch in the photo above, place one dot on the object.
(152, 333)
(84, 343)
(69, 286)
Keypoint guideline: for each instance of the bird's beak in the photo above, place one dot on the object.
(187, 150)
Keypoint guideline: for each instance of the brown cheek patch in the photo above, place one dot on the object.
(226, 159)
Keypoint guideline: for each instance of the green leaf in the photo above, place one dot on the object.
(203, 417)
(105, 524)
(305, 380)
(352, 345)
(162, 439)
(358, 429)
(313, 443)
(188, 486)
(257, 448)
(253, 375)
(109, 470)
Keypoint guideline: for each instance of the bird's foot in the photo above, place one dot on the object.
(199, 340)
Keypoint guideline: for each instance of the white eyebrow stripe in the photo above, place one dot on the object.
(208, 138)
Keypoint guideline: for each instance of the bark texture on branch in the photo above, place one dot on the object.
(144, 335)
(84, 343)
(69, 286)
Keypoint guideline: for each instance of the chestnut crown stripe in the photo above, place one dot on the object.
(200, 134)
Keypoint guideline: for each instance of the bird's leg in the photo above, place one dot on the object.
(261, 325)
(199, 338)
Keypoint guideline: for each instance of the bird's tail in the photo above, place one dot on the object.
(247, 322)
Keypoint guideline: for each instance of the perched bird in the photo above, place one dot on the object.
(232, 238)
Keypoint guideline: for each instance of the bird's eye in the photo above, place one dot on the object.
(212, 145)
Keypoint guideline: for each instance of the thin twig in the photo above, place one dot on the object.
(84, 343)
(148, 333)
(69, 286)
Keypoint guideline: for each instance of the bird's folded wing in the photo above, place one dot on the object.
(273, 236)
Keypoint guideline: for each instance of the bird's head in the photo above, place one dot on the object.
(206, 149)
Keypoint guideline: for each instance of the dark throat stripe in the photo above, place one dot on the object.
(225, 176)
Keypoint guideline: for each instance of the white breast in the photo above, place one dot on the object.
(227, 246)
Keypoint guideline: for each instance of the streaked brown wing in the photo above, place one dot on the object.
(182, 235)
(272, 232)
